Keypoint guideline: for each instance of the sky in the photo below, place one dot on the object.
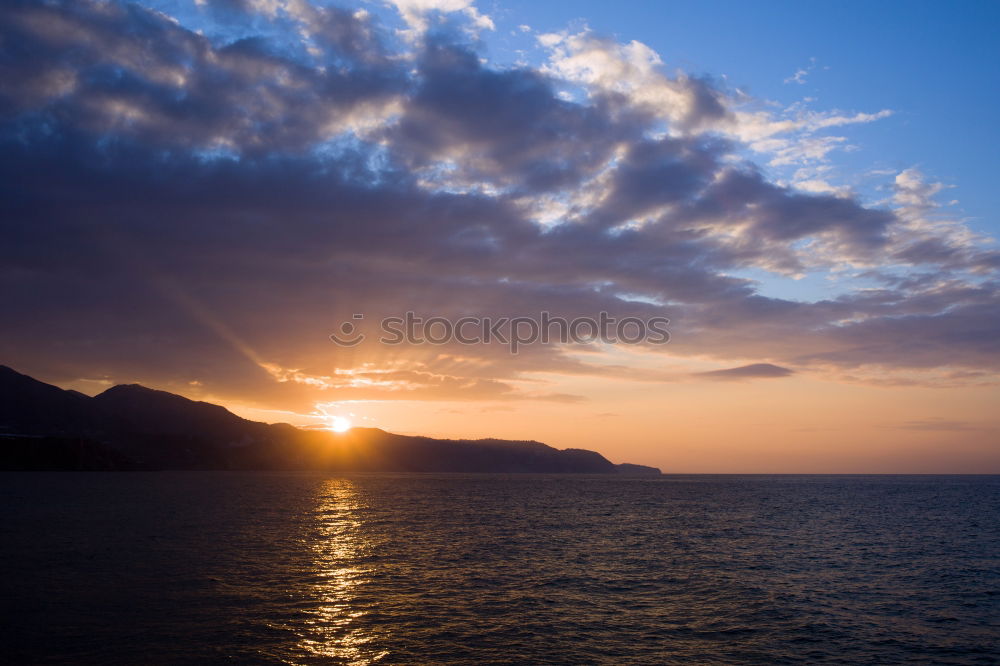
(197, 194)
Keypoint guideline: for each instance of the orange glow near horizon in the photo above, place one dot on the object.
(786, 425)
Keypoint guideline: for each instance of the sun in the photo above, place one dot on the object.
(339, 424)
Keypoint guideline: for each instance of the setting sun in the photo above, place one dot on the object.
(339, 424)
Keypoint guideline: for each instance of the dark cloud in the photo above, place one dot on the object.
(125, 70)
(654, 174)
(776, 214)
(752, 371)
(506, 127)
(939, 425)
(706, 105)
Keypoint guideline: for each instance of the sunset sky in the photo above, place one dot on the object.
(197, 194)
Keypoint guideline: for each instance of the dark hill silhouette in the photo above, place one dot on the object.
(163, 412)
(134, 427)
(30, 406)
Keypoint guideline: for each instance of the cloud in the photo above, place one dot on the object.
(632, 71)
(937, 424)
(178, 208)
(752, 371)
(801, 73)
(417, 13)
(798, 77)
(502, 128)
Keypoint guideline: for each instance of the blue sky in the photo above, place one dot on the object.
(935, 64)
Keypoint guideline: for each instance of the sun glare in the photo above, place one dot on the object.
(339, 424)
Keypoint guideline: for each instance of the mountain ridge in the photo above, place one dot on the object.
(130, 426)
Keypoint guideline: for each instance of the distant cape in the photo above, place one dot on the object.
(131, 427)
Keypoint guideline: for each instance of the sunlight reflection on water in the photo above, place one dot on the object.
(340, 549)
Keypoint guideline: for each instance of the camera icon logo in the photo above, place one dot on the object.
(348, 336)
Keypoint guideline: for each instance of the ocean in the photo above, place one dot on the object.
(287, 568)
